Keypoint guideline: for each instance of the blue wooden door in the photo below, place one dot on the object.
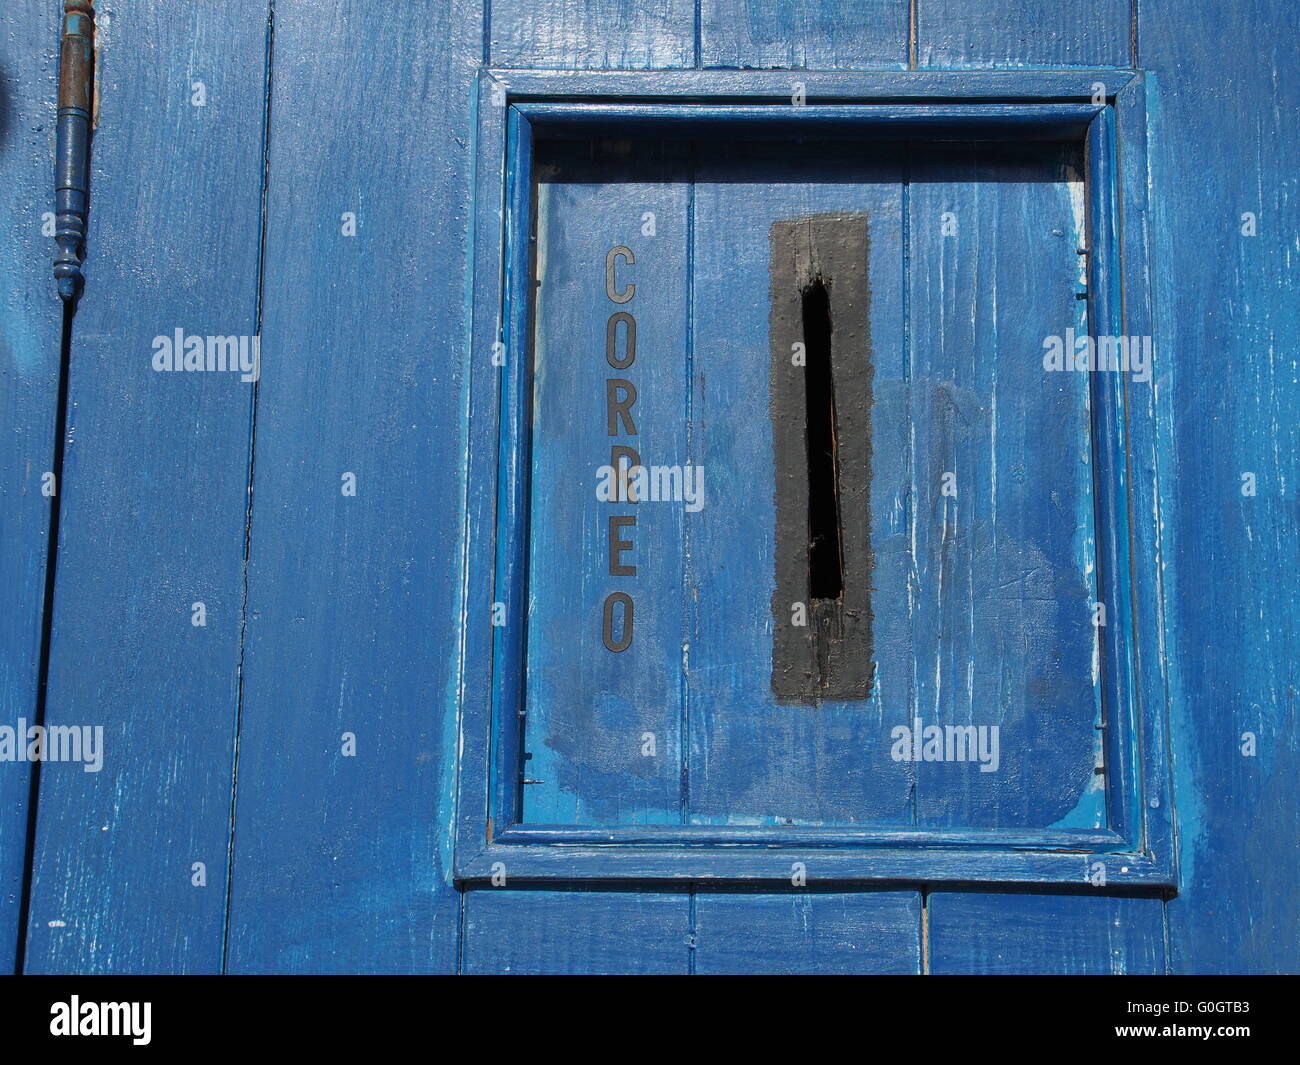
(918, 650)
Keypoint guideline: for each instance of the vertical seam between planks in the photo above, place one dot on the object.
(51, 572)
(692, 943)
(252, 462)
(911, 34)
(684, 724)
(699, 35)
(1133, 32)
(1164, 933)
(47, 627)
(925, 931)
(487, 33)
(909, 502)
(460, 935)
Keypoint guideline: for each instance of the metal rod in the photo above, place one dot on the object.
(72, 145)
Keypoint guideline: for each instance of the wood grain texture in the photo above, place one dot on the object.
(805, 932)
(590, 932)
(29, 377)
(154, 497)
(754, 759)
(1023, 33)
(1002, 517)
(1222, 136)
(341, 863)
(804, 34)
(604, 728)
(595, 34)
(1037, 934)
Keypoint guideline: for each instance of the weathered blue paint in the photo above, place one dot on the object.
(1003, 567)
(804, 34)
(1228, 400)
(577, 690)
(805, 932)
(540, 932)
(1044, 933)
(602, 34)
(325, 609)
(1024, 33)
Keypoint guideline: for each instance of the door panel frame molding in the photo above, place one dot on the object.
(513, 107)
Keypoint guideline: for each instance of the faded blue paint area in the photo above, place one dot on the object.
(1002, 587)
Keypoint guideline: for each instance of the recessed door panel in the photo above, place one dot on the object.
(809, 351)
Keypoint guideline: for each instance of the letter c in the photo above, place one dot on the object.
(611, 283)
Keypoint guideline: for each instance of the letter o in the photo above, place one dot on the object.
(626, 642)
(611, 340)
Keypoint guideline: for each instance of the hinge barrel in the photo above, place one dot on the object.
(72, 142)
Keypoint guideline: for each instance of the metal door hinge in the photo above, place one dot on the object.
(72, 143)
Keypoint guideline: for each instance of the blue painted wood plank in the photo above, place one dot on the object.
(559, 932)
(604, 727)
(30, 329)
(807, 932)
(1024, 33)
(974, 933)
(154, 501)
(755, 760)
(804, 34)
(1002, 503)
(1228, 390)
(342, 862)
(599, 34)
